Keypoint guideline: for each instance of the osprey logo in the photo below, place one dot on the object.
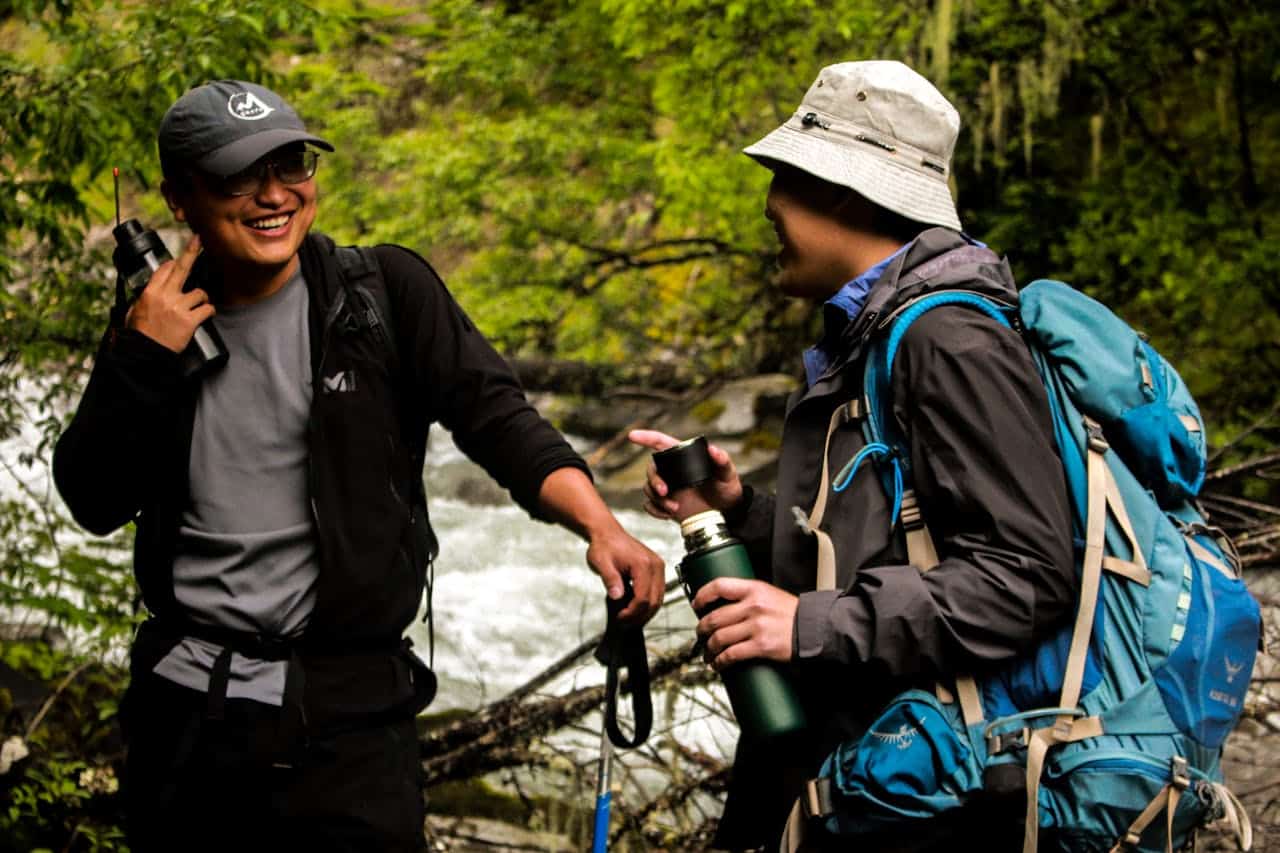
(340, 382)
(902, 738)
(248, 106)
(1233, 669)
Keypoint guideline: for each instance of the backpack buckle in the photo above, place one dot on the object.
(1178, 775)
(910, 514)
(997, 744)
(1097, 440)
(816, 800)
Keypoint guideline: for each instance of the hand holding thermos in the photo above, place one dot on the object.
(691, 486)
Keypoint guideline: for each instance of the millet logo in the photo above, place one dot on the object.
(344, 381)
(248, 106)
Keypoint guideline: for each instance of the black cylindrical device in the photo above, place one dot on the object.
(138, 254)
(763, 702)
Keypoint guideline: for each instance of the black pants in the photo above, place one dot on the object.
(195, 784)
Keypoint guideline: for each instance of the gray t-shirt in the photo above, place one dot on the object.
(246, 544)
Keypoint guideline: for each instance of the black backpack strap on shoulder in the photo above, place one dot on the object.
(367, 289)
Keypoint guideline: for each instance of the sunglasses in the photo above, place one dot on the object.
(289, 167)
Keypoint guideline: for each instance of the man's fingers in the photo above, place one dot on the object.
(182, 266)
(611, 579)
(727, 636)
(729, 589)
(193, 298)
(652, 439)
(722, 460)
(204, 312)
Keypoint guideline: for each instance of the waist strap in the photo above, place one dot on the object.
(324, 692)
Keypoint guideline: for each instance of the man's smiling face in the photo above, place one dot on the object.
(262, 229)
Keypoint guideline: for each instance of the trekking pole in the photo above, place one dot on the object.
(622, 647)
(604, 794)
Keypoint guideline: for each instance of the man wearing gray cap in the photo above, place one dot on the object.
(283, 542)
(855, 602)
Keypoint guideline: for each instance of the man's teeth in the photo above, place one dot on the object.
(269, 222)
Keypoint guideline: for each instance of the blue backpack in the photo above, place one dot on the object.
(1120, 719)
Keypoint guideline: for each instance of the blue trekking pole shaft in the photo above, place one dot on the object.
(604, 796)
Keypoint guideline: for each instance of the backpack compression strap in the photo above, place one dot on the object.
(1103, 495)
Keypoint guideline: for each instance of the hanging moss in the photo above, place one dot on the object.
(1095, 135)
(1029, 98)
(997, 115)
(943, 33)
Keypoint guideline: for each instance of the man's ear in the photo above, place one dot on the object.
(173, 198)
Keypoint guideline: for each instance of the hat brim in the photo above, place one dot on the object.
(242, 153)
(872, 173)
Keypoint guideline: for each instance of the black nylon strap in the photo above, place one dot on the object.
(218, 678)
(623, 647)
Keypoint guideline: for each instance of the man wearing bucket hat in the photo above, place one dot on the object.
(866, 223)
(283, 542)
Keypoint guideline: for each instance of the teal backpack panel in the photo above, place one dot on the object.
(1169, 660)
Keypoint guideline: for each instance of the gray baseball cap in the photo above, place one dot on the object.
(224, 126)
(878, 128)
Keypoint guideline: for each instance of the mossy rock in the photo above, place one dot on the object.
(708, 410)
(476, 798)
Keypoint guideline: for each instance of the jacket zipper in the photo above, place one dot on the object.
(317, 387)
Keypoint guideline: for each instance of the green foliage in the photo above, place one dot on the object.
(64, 795)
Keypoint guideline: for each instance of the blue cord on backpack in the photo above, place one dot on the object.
(846, 475)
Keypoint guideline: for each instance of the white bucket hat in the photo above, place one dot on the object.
(878, 128)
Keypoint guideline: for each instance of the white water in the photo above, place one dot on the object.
(512, 595)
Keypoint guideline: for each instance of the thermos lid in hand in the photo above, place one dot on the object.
(686, 464)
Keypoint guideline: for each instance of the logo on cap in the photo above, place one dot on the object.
(248, 106)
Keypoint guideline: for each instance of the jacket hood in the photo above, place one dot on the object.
(938, 259)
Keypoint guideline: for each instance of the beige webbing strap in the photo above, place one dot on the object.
(1235, 816)
(920, 550)
(1037, 747)
(970, 700)
(1038, 743)
(1090, 585)
(1116, 504)
(1166, 800)
(793, 832)
(1189, 423)
(1090, 578)
(1204, 555)
(1127, 569)
(843, 413)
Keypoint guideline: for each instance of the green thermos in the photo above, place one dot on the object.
(763, 702)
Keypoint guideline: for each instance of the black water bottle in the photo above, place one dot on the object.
(138, 254)
(763, 702)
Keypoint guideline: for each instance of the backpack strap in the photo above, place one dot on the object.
(367, 289)
(879, 425)
(843, 414)
(881, 430)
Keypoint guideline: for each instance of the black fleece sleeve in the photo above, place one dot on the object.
(469, 387)
(107, 461)
(751, 521)
(994, 496)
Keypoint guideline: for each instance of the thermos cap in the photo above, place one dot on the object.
(685, 464)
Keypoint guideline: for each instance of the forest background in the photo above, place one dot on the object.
(573, 169)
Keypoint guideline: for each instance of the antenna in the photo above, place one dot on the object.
(115, 173)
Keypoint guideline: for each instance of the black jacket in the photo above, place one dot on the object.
(967, 397)
(124, 456)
